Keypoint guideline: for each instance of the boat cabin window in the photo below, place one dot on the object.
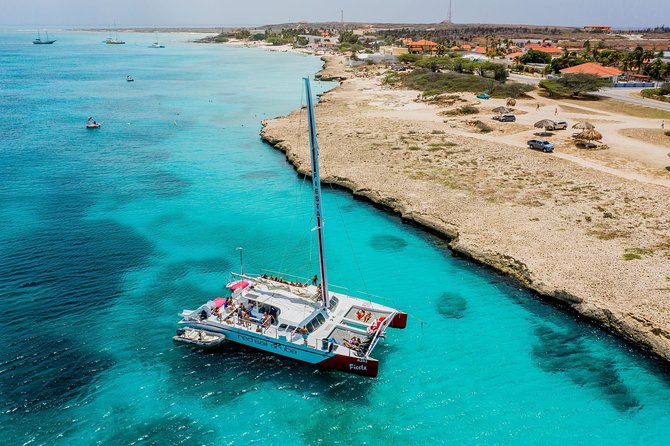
(291, 328)
(315, 323)
(333, 302)
(282, 327)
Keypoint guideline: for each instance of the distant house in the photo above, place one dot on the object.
(551, 50)
(319, 41)
(597, 28)
(610, 73)
(511, 58)
(422, 46)
(523, 42)
(393, 50)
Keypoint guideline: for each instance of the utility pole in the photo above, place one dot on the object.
(342, 18)
(449, 16)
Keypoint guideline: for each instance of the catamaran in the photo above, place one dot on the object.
(303, 321)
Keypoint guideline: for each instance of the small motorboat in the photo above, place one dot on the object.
(129, 78)
(92, 124)
(156, 45)
(199, 338)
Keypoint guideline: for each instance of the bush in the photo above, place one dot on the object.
(409, 58)
(431, 84)
(649, 92)
(573, 84)
(667, 133)
(463, 110)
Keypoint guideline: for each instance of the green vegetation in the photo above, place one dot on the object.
(221, 39)
(483, 127)
(667, 133)
(431, 83)
(535, 56)
(409, 58)
(573, 84)
(463, 110)
(636, 253)
(661, 94)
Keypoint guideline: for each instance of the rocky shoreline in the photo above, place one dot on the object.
(569, 247)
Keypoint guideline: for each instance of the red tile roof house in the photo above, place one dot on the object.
(422, 46)
(610, 73)
(551, 50)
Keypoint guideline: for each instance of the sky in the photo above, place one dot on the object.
(103, 13)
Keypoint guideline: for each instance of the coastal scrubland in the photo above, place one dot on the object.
(588, 228)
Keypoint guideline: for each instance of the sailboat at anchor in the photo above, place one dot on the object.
(303, 321)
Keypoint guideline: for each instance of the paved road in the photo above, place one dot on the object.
(623, 94)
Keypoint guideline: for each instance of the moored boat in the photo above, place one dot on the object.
(90, 124)
(40, 41)
(199, 338)
(306, 322)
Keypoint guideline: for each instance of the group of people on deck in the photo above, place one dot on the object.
(286, 282)
(363, 316)
(245, 316)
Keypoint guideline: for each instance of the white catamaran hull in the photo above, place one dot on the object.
(321, 358)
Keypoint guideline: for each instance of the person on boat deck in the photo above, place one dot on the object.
(302, 331)
(241, 310)
(315, 279)
(367, 317)
(273, 315)
(266, 320)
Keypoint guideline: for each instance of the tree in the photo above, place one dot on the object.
(573, 84)
(567, 60)
(409, 58)
(535, 56)
(656, 69)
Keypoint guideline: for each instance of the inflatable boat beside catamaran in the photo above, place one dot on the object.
(306, 322)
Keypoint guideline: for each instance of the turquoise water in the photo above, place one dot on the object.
(108, 234)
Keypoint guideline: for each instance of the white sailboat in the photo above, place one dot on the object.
(306, 322)
(156, 44)
(115, 40)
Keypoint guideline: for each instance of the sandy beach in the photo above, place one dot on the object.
(587, 228)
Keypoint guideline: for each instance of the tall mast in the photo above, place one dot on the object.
(316, 185)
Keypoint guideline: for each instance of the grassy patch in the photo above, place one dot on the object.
(620, 107)
(437, 132)
(607, 235)
(636, 253)
(463, 110)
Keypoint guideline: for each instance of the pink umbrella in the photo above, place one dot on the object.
(219, 301)
(240, 284)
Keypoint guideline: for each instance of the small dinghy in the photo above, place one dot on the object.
(92, 124)
(199, 338)
(129, 78)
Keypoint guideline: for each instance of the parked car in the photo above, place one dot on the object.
(540, 144)
(505, 118)
(560, 125)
